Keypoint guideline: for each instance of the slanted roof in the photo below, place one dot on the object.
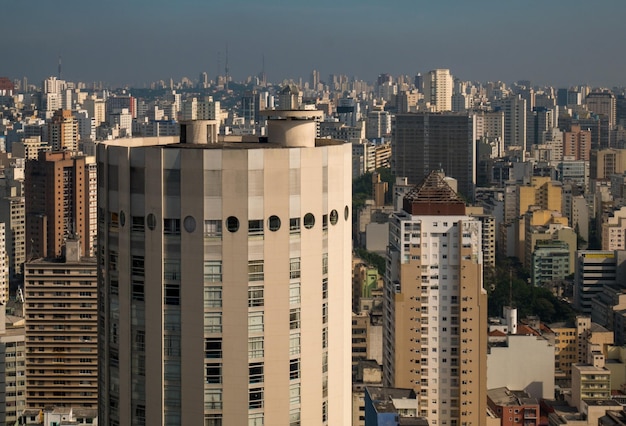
(433, 196)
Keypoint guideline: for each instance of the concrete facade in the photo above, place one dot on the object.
(225, 275)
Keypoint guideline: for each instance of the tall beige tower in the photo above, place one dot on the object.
(435, 307)
(438, 90)
(225, 274)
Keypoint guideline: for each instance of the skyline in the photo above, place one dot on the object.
(546, 43)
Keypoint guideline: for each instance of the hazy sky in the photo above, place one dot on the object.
(557, 42)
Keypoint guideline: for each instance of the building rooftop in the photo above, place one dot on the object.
(505, 397)
(433, 196)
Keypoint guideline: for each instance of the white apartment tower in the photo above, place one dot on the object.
(4, 266)
(435, 307)
(225, 273)
(438, 86)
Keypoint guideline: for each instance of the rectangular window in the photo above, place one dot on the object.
(213, 297)
(140, 340)
(294, 268)
(137, 266)
(114, 220)
(255, 419)
(294, 394)
(171, 226)
(171, 294)
(294, 318)
(325, 263)
(212, 348)
(324, 288)
(212, 399)
(255, 296)
(171, 345)
(294, 293)
(138, 224)
(255, 399)
(213, 229)
(255, 347)
(294, 417)
(294, 369)
(294, 344)
(255, 372)
(325, 222)
(255, 227)
(255, 270)
(324, 313)
(112, 260)
(171, 182)
(325, 337)
(255, 322)
(213, 373)
(171, 269)
(212, 322)
(138, 290)
(294, 225)
(212, 270)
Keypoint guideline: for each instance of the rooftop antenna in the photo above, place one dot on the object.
(219, 64)
(226, 69)
(59, 70)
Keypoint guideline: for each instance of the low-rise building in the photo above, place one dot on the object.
(513, 407)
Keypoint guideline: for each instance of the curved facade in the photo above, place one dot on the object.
(225, 283)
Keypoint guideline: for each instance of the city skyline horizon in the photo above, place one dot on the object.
(134, 44)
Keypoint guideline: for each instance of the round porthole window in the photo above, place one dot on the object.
(232, 224)
(122, 219)
(346, 213)
(334, 216)
(190, 224)
(273, 223)
(309, 220)
(151, 222)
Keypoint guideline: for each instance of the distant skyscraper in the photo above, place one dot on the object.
(603, 103)
(249, 107)
(538, 122)
(60, 190)
(225, 283)
(438, 86)
(577, 143)
(514, 108)
(63, 131)
(12, 214)
(315, 79)
(435, 307)
(424, 142)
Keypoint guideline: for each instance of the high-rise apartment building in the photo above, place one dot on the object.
(514, 108)
(438, 86)
(424, 142)
(603, 103)
(4, 266)
(61, 196)
(577, 143)
(61, 330)
(435, 307)
(12, 214)
(63, 131)
(12, 366)
(225, 277)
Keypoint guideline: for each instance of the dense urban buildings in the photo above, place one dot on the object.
(435, 303)
(227, 275)
(223, 251)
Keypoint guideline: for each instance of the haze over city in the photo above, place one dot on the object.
(134, 43)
